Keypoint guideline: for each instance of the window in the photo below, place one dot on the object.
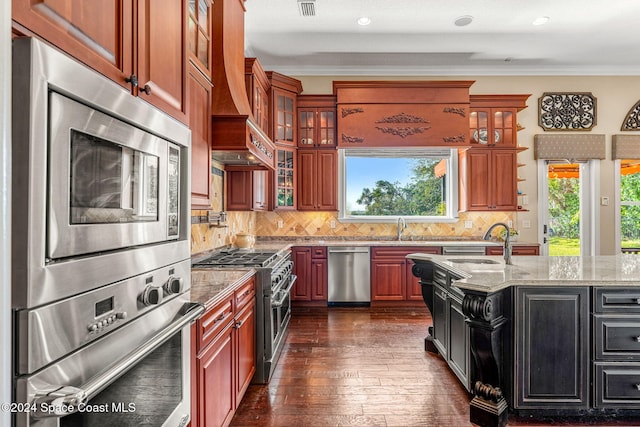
(385, 183)
(629, 205)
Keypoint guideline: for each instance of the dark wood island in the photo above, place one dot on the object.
(543, 337)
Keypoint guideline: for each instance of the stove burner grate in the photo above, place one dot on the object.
(238, 258)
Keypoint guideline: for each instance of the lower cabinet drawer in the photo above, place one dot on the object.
(617, 385)
(617, 337)
(621, 300)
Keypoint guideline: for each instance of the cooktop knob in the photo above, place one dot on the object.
(174, 285)
(152, 295)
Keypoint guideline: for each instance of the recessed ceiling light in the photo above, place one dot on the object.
(463, 21)
(364, 20)
(541, 20)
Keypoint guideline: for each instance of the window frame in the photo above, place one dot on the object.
(451, 187)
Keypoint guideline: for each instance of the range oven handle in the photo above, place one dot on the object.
(285, 292)
(67, 398)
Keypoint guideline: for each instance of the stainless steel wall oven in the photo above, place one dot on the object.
(101, 250)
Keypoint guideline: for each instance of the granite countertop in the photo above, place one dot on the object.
(210, 285)
(271, 243)
(615, 270)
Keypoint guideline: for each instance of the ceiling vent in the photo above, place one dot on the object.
(307, 7)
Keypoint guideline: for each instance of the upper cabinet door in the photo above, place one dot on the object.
(103, 35)
(162, 55)
(98, 33)
(199, 34)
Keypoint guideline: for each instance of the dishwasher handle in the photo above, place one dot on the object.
(349, 251)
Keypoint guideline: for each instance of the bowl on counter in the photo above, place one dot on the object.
(244, 240)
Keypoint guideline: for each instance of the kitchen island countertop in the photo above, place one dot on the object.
(476, 275)
(211, 285)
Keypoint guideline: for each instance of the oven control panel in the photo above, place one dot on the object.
(83, 318)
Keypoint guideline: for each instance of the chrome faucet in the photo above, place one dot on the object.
(507, 240)
(402, 224)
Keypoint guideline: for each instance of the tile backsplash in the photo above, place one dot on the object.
(319, 224)
(304, 225)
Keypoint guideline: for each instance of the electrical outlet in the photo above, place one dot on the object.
(332, 223)
(280, 224)
(468, 224)
(526, 223)
(604, 201)
(525, 200)
(510, 223)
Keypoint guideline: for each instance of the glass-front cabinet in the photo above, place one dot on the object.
(285, 179)
(493, 127)
(316, 121)
(317, 127)
(200, 34)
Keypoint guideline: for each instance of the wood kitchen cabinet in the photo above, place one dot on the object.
(317, 179)
(247, 190)
(488, 179)
(515, 250)
(391, 277)
(139, 44)
(311, 268)
(199, 31)
(493, 120)
(224, 353)
(316, 121)
(616, 321)
(283, 99)
(552, 349)
(449, 335)
(258, 87)
(199, 113)
(285, 179)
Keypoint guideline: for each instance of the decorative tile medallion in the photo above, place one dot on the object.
(565, 111)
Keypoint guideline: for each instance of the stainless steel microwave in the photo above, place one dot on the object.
(101, 180)
(111, 185)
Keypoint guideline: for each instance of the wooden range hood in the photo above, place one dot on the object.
(236, 138)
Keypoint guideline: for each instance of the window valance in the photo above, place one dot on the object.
(625, 147)
(571, 147)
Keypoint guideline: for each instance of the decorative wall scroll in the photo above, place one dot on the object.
(454, 139)
(565, 111)
(459, 111)
(348, 111)
(632, 120)
(352, 139)
(404, 131)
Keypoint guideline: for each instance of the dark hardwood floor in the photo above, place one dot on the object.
(364, 367)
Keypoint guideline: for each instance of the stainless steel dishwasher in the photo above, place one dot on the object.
(349, 273)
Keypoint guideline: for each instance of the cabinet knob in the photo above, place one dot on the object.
(146, 89)
(637, 300)
(638, 387)
(637, 339)
(133, 80)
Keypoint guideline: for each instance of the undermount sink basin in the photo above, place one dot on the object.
(473, 261)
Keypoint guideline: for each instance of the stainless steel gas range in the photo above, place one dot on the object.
(273, 294)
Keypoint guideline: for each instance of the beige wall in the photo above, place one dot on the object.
(615, 96)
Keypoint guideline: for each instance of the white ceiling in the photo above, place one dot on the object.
(418, 37)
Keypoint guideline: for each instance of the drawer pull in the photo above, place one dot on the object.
(637, 339)
(221, 317)
(638, 387)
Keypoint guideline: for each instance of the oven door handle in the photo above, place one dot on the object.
(285, 292)
(68, 398)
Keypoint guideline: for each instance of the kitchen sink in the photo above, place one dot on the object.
(473, 261)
